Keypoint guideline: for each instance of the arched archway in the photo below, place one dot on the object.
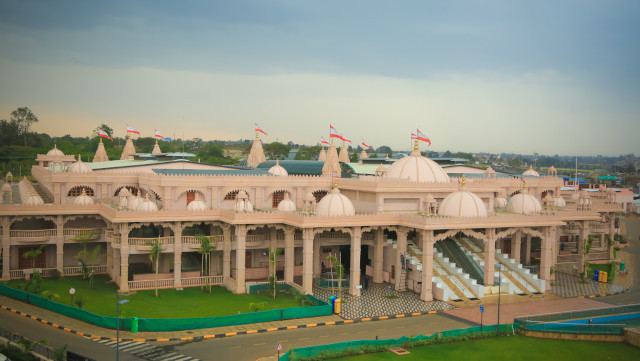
(77, 191)
(319, 194)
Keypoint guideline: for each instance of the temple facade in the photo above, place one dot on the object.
(410, 225)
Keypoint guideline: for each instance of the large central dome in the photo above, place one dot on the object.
(417, 168)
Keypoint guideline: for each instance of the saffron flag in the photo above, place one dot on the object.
(334, 133)
(324, 141)
(421, 137)
(132, 130)
(158, 135)
(103, 134)
(365, 144)
(258, 129)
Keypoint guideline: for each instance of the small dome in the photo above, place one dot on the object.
(381, 169)
(6, 187)
(55, 151)
(83, 199)
(33, 201)
(124, 192)
(531, 172)
(79, 167)
(335, 204)
(430, 198)
(148, 205)
(462, 204)
(489, 170)
(501, 202)
(197, 204)
(124, 202)
(575, 196)
(309, 197)
(418, 169)
(277, 170)
(560, 202)
(242, 195)
(287, 205)
(524, 203)
(135, 201)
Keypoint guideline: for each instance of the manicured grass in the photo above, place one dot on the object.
(191, 302)
(513, 348)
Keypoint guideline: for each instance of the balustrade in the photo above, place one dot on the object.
(83, 232)
(37, 233)
(148, 242)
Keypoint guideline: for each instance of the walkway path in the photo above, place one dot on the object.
(567, 285)
(379, 300)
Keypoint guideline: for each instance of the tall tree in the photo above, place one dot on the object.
(24, 118)
(84, 237)
(276, 150)
(154, 257)
(104, 127)
(273, 261)
(205, 250)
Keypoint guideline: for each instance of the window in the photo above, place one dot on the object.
(277, 198)
(231, 196)
(319, 195)
(77, 191)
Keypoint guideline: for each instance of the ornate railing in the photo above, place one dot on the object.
(148, 242)
(77, 270)
(150, 284)
(196, 241)
(83, 232)
(202, 281)
(38, 233)
(16, 274)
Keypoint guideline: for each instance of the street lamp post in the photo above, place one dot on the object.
(499, 284)
(118, 303)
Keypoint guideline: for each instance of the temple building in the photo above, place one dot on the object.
(407, 223)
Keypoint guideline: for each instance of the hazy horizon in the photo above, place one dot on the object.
(491, 77)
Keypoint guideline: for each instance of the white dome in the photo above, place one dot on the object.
(83, 199)
(287, 205)
(135, 201)
(33, 200)
(462, 204)
(278, 170)
(124, 202)
(531, 172)
(335, 204)
(148, 205)
(79, 167)
(124, 192)
(418, 169)
(55, 151)
(501, 202)
(197, 204)
(524, 203)
(560, 203)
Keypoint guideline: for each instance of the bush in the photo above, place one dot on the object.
(14, 353)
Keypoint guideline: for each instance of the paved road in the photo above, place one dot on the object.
(632, 254)
(255, 346)
(57, 338)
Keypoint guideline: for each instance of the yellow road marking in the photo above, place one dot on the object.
(260, 344)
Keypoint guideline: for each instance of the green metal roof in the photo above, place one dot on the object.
(368, 169)
(611, 177)
(212, 172)
(293, 167)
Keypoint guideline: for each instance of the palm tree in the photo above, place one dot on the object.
(85, 257)
(33, 254)
(335, 263)
(205, 250)
(84, 237)
(154, 257)
(273, 259)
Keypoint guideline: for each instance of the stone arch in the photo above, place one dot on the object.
(514, 193)
(150, 230)
(84, 221)
(131, 188)
(188, 196)
(231, 195)
(319, 194)
(76, 191)
(33, 223)
(277, 196)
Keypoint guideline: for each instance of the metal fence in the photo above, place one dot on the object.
(601, 321)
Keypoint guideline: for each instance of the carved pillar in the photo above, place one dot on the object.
(177, 255)
(60, 245)
(378, 249)
(489, 257)
(226, 251)
(317, 258)
(582, 234)
(307, 260)
(402, 249)
(124, 258)
(516, 244)
(546, 255)
(428, 240)
(527, 251)
(356, 243)
(6, 247)
(289, 254)
(168, 197)
(241, 250)
(57, 194)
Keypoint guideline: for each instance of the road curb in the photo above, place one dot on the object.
(606, 294)
(222, 335)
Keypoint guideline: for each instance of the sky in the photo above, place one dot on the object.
(552, 77)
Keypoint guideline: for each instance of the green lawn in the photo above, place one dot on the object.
(513, 348)
(190, 302)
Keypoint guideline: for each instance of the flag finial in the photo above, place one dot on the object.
(464, 181)
(415, 145)
(335, 183)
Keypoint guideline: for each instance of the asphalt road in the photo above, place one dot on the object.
(36, 331)
(254, 346)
